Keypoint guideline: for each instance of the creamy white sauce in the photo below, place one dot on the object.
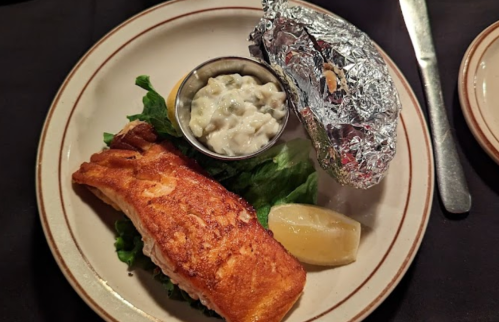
(237, 115)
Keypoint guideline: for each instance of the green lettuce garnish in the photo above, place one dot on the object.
(155, 111)
(283, 174)
(108, 138)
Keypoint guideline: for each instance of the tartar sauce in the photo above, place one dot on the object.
(237, 115)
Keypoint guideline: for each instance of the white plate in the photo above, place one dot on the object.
(479, 89)
(165, 42)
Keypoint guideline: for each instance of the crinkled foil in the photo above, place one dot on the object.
(339, 86)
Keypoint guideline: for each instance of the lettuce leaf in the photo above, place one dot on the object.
(283, 174)
(155, 111)
(306, 193)
(108, 138)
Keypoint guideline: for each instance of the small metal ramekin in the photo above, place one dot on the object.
(198, 78)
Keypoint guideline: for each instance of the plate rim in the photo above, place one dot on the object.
(102, 312)
(488, 142)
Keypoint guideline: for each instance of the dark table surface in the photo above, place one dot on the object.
(455, 275)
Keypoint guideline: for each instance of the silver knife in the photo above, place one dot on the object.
(452, 185)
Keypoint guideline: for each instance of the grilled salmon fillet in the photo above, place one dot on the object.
(205, 238)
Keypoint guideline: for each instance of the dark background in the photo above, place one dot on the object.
(454, 277)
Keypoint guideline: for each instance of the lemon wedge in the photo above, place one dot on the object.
(315, 235)
(170, 103)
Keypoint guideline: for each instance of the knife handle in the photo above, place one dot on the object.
(451, 181)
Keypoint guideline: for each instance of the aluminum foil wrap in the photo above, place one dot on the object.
(339, 86)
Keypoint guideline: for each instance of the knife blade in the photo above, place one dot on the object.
(451, 181)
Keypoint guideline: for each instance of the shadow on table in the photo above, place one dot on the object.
(57, 300)
(479, 160)
(12, 2)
